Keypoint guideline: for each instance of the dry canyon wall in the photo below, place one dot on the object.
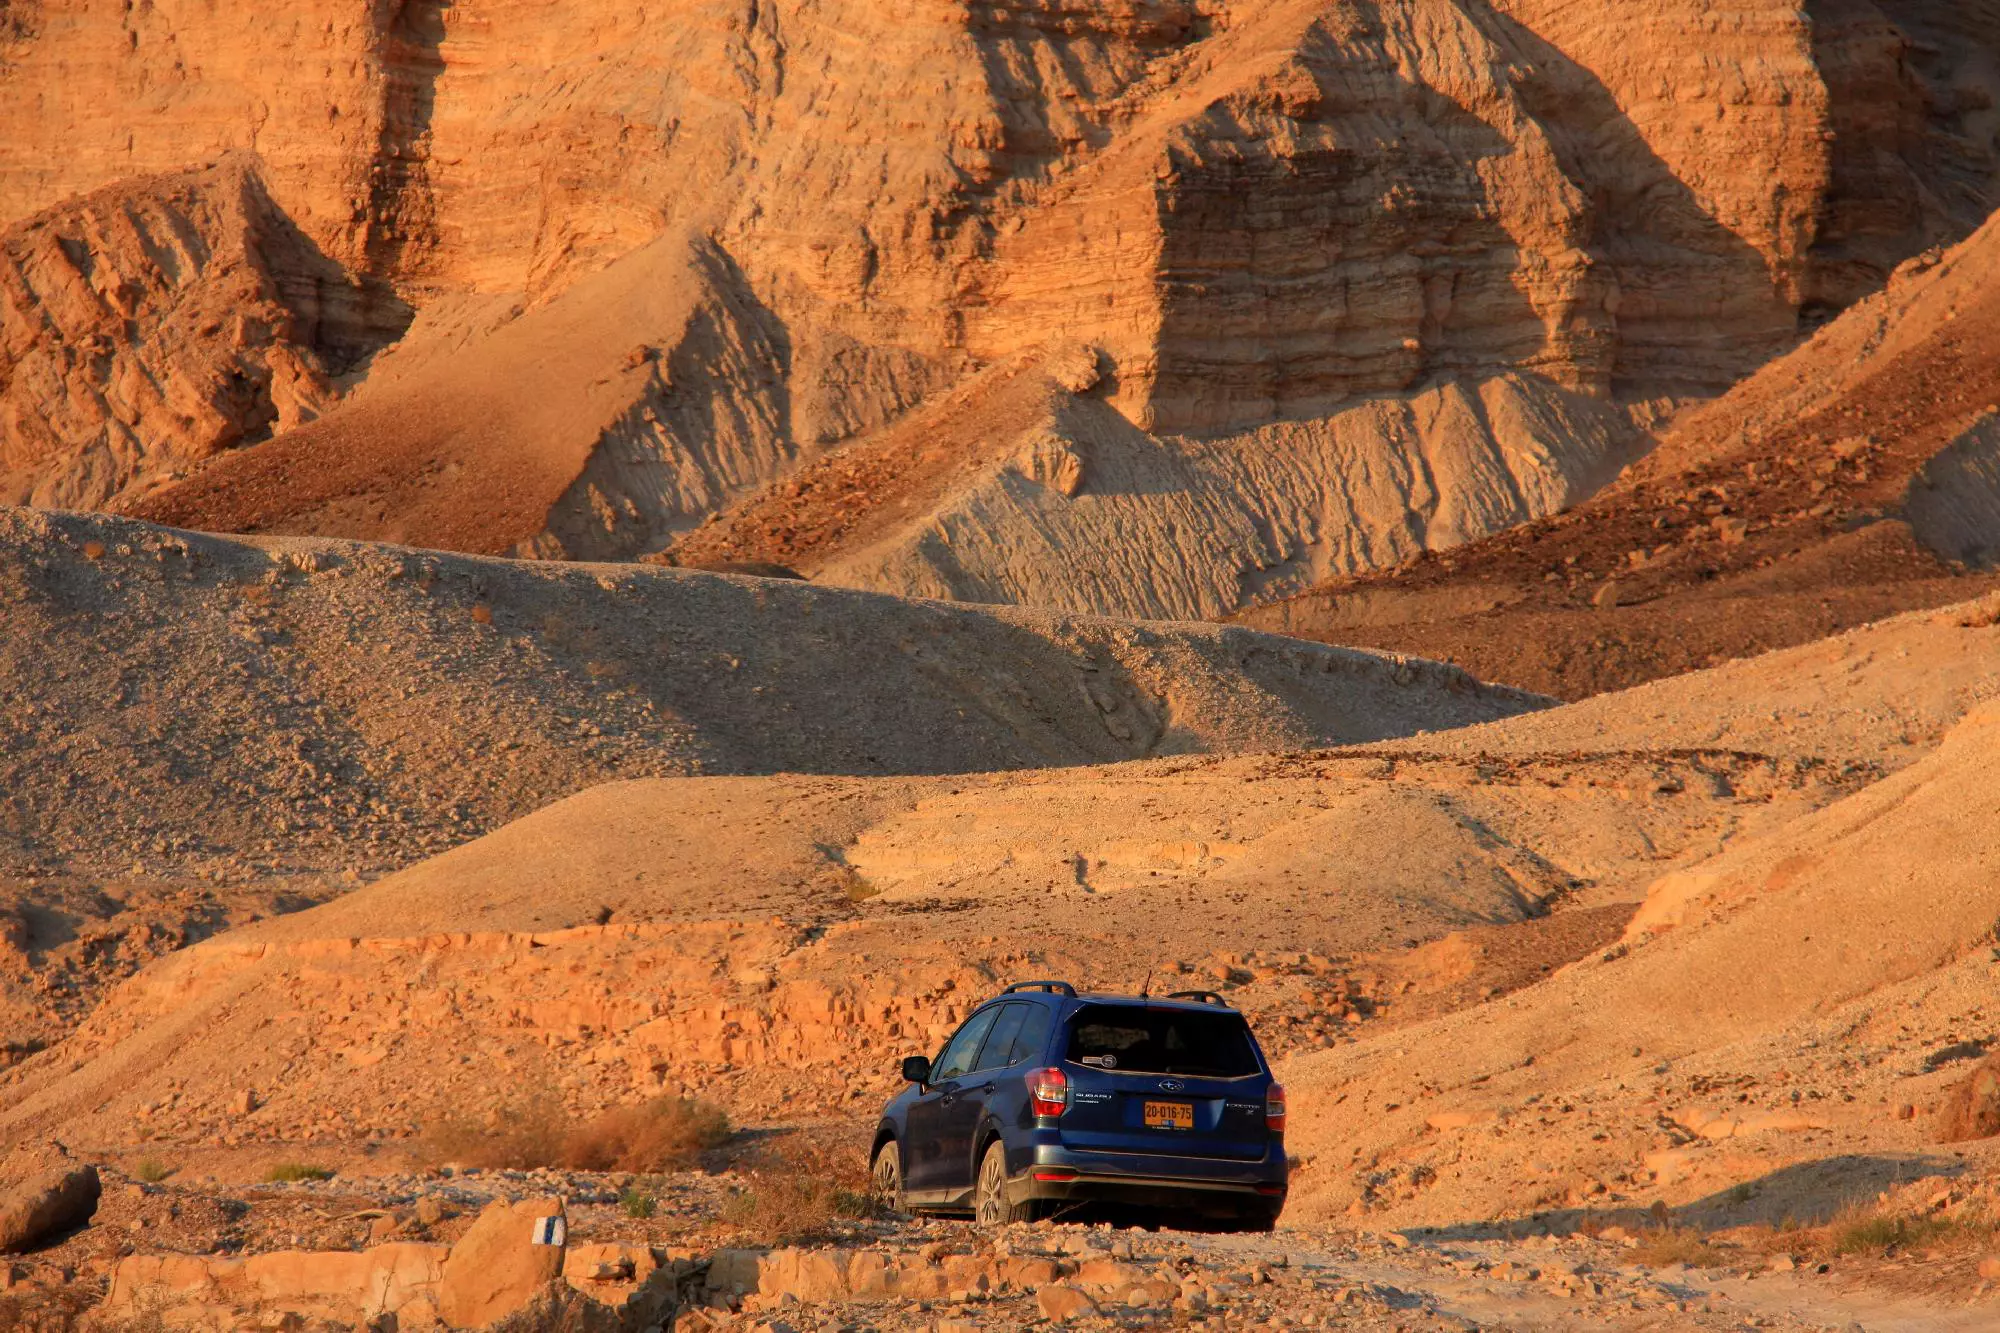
(1256, 215)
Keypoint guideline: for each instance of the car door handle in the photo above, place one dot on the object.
(990, 1089)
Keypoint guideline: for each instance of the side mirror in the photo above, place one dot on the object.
(916, 1069)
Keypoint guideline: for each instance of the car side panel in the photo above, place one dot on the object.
(922, 1162)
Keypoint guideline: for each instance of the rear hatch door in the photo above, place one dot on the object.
(1167, 1079)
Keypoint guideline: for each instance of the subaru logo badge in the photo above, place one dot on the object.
(1171, 1085)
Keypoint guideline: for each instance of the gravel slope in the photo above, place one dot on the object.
(224, 706)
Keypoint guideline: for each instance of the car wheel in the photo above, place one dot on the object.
(989, 1195)
(886, 1176)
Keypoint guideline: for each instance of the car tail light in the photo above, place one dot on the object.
(1272, 1191)
(1048, 1091)
(1274, 1109)
(1059, 1175)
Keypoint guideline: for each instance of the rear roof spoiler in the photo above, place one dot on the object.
(1052, 987)
(1201, 997)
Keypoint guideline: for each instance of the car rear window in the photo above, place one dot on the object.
(1162, 1041)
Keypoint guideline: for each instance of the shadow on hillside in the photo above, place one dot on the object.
(1804, 1194)
(1640, 210)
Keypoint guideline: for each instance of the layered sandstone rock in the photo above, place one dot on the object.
(597, 425)
(1848, 480)
(400, 1281)
(1256, 213)
(1065, 504)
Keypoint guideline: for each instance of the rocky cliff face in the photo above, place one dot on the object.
(155, 323)
(1256, 212)
(1856, 477)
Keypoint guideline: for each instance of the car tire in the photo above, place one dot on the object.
(989, 1192)
(885, 1178)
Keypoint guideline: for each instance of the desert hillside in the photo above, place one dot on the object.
(814, 903)
(1545, 975)
(1856, 477)
(201, 731)
(1282, 290)
(205, 705)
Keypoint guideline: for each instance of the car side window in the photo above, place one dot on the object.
(1033, 1038)
(956, 1061)
(998, 1052)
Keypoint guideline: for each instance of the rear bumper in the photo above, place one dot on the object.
(1212, 1186)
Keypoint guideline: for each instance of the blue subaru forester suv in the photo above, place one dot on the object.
(1045, 1098)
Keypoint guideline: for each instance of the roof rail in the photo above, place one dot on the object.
(1200, 997)
(1052, 987)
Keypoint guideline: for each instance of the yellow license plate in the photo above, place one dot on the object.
(1169, 1115)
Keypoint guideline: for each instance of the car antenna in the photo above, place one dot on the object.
(1146, 988)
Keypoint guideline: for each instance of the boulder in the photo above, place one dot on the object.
(46, 1206)
(1972, 1109)
(511, 1253)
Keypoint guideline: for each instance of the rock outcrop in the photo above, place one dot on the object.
(152, 325)
(495, 1270)
(512, 1251)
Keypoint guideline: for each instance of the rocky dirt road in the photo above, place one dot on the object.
(702, 1272)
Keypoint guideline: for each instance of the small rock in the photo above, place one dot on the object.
(1989, 1267)
(1061, 1302)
